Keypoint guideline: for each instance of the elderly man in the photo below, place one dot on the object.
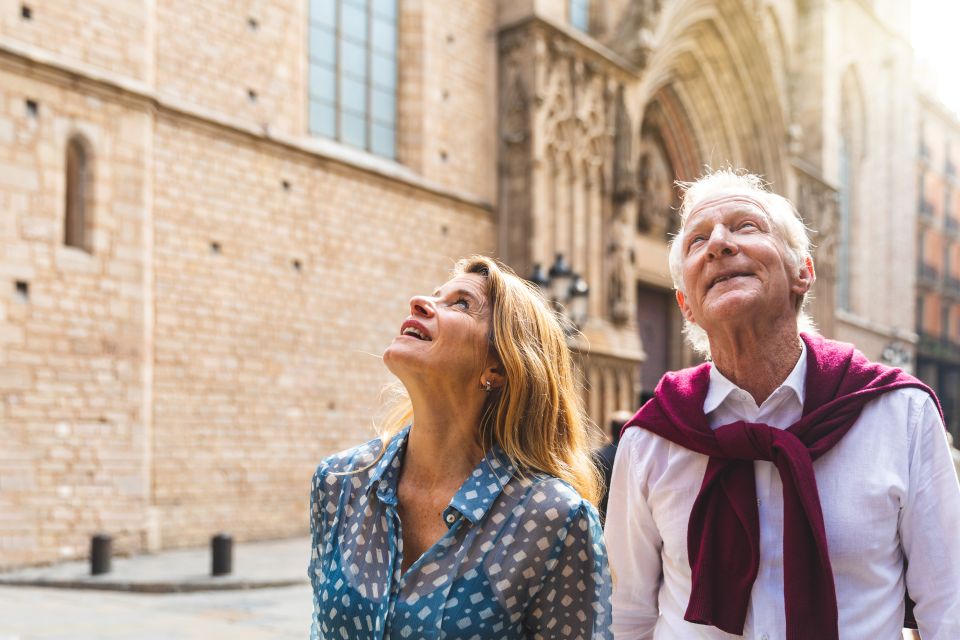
(789, 488)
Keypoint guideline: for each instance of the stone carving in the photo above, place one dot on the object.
(657, 197)
(624, 179)
(633, 37)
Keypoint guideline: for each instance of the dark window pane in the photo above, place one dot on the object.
(323, 119)
(386, 8)
(353, 59)
(384, 36)
(324, 12)
(384, 71)
(353, 95)
(323, 46)
(353, 23)
(354, 129)
(323, 82)
(383, 141)
(384, 106)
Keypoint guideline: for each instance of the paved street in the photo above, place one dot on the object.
(34, 613)
(164, 596)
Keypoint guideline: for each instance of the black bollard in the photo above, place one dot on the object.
(221, 546)
(100, 554)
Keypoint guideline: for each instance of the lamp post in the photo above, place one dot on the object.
(568, 292)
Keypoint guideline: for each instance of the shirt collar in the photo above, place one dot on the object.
(386, 472)
(483, 486)
(474, 498)
(721, 387)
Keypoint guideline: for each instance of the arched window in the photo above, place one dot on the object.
(77, 218)
(851, 151)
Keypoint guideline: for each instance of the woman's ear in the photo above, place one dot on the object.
(494, 375)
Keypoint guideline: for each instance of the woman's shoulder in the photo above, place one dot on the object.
(355, 462)
(552, 497)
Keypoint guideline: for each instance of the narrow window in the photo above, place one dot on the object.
(580, 14)
(353, 73)
(77, 219)
(846, 224)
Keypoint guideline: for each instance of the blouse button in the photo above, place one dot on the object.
(450, 518)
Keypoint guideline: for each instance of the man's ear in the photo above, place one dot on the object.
(684, 307)
(805, 278)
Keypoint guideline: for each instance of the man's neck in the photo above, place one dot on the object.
(757, 364)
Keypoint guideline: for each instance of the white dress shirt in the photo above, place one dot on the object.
(889, 495)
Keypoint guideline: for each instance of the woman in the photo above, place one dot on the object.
(471, 517)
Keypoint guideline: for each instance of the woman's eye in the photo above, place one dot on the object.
(462, 303)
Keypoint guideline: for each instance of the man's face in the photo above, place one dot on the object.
(735, 266)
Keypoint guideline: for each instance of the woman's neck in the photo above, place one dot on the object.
(443, 446)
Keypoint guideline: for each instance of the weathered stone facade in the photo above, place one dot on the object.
(183, 372)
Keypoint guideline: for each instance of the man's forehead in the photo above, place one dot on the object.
(727, 200)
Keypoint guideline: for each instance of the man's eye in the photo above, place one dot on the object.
(748, 224)
(695, 240)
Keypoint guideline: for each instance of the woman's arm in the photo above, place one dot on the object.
(318, 501)
(574, 600)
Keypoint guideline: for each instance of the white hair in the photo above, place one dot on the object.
(783, 217)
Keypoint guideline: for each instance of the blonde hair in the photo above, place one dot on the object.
(536, 417)
(783, 216)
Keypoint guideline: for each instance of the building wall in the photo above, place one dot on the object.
(71, 349)
(225, 333)
(263, 368)
(106, 35)
(870, 76)
(938, 254)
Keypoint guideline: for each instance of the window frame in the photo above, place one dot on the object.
(362, 111)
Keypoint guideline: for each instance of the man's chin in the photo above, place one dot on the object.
(729, 305)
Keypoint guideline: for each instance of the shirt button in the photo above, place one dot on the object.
(450, 518)
(764, 636)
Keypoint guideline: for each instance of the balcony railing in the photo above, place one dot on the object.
(926, 209)
(952, 285)
(936, 346)
(952, 225)
(928, 274)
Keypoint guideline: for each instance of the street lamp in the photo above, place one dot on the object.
(561, 276)
(568, 292)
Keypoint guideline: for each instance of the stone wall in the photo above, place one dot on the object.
(71, 325)
(224, 333)
(280, 279)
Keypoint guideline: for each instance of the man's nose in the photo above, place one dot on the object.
(721, 242)
(422, 306)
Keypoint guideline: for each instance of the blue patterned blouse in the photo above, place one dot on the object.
(523, 556)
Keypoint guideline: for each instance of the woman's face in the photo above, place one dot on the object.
(445, 338)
